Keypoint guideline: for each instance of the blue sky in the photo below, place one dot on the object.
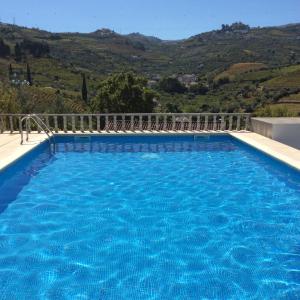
(168, 19)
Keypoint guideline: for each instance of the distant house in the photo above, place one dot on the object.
(152, 83)
(156, 77)
(135, 57)
(188, 79)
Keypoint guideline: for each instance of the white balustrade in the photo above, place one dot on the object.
(61, 123)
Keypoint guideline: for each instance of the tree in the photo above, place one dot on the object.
(4, 49)
(222, 80)
(225, 27)
(29, 78)
(292, 57)
(199, 89)
(173, 108)
(18, 53)
(36, 49)
(59, 103)
(171, 85)
(239, 26)
(124, 93)
(84, 92)
(10, 72)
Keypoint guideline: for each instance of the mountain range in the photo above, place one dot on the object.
(105, 51)
(57, 60)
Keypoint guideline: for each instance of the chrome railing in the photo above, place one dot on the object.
(69, 123)
(40, 126)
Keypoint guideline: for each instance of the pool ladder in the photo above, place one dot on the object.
(41, 126)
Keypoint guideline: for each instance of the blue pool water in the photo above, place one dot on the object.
(149, 218)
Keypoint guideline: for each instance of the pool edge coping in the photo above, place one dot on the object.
(272, 148)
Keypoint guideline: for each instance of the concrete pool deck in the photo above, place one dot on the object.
(11, 150)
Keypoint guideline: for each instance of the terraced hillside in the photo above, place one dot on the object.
(104, 51)
(240, 68)
(244, 87)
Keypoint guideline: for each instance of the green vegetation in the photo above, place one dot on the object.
(236, 69)
(171, 85)
(4, 49)
(84, 92)
(27, 99)
(124, 93)
(18, 53)
(29, 79)
(277, 110)
(291, 98)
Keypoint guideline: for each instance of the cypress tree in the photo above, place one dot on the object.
(29, 78)
(10, 72)
(84, 91)
(4, 49)
(18, 52)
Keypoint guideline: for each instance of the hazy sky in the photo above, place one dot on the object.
(168, 19)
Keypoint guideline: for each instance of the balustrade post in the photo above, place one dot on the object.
(140, 122)
(238, 123)
(206, 123)
(123, 123)
(198, 124)
(173, 122)
(90, 123)
(222, 122)
(149, 125)
(132, 122)
(182, 123)
(39, 130)
(115, 126)
(190, 123)
(230, 122)
(156, 123)
(73, 124)
(107, 123)
(247, 121)
(29, 125)
(38, 127)
(165, 123)
(215, 123)
(81, 123)
(55, 124)
(27, 129)
(47, 121)
(11, 124)
(98, 123)
(20, 124)
(65, 123)
(2, 129)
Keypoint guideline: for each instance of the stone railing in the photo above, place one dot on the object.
(131, 122)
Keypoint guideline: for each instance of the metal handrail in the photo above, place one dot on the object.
(41, 125)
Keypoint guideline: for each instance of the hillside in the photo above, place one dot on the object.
(105, 51)
(237, 63)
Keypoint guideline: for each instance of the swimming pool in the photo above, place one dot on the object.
(149, 217)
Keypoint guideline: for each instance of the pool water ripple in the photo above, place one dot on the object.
(152, 219)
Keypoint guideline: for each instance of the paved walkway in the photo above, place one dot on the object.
(10, 148)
